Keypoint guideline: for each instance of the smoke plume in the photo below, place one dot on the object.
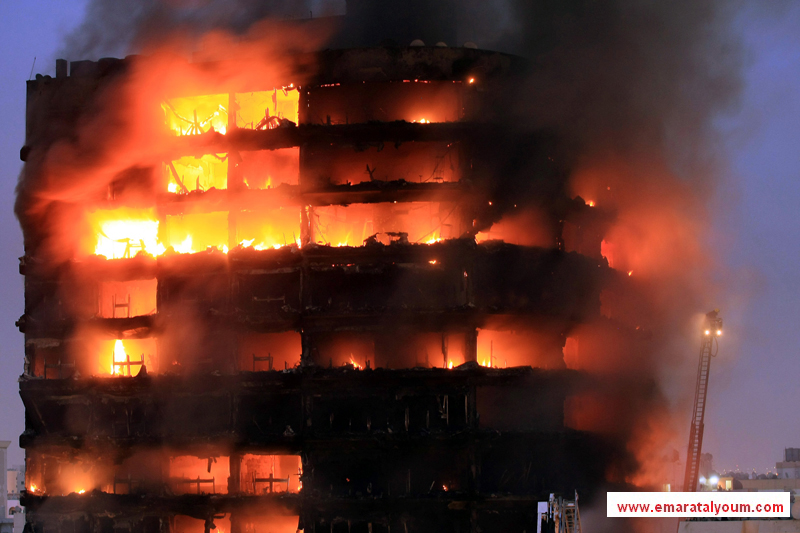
(632, 89)
(115, 29)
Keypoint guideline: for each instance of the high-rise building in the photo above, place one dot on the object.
(299, 317)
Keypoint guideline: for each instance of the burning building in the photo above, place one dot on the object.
(290, 302)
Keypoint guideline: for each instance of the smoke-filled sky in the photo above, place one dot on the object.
(753, 237)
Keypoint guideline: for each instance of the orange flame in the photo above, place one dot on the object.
(355, 365)
(119, 357)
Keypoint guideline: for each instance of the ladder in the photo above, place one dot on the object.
(571, 517)
(712, 330)
(565, 514)
(115, 304)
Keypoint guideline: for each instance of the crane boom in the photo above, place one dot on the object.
(711, 332)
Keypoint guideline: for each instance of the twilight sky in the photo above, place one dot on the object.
(755, 380)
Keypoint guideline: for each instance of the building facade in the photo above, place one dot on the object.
(289, 323)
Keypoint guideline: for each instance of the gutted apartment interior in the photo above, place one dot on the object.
(298, 321)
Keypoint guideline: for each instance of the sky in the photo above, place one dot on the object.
(755, 380)
(30, 29)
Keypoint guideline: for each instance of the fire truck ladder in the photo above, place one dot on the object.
(571, 517)
(565, 515)
(708, 349)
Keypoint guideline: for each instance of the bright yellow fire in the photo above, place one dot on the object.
(197, 173)
(119, 357)
(197, 232)
(263, 246)
(124, 232)
(268, 228)
(260, 110)
(197, 114)
(116, 357)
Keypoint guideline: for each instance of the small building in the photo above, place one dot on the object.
(6, 523)
(789, 468)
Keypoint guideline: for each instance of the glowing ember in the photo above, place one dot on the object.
(590, 203)
(355, 224)
(81, 491)
(248, 243)
(630, 272)
(433, 261)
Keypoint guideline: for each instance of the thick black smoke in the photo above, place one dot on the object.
(631, 90)
(117, 28)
